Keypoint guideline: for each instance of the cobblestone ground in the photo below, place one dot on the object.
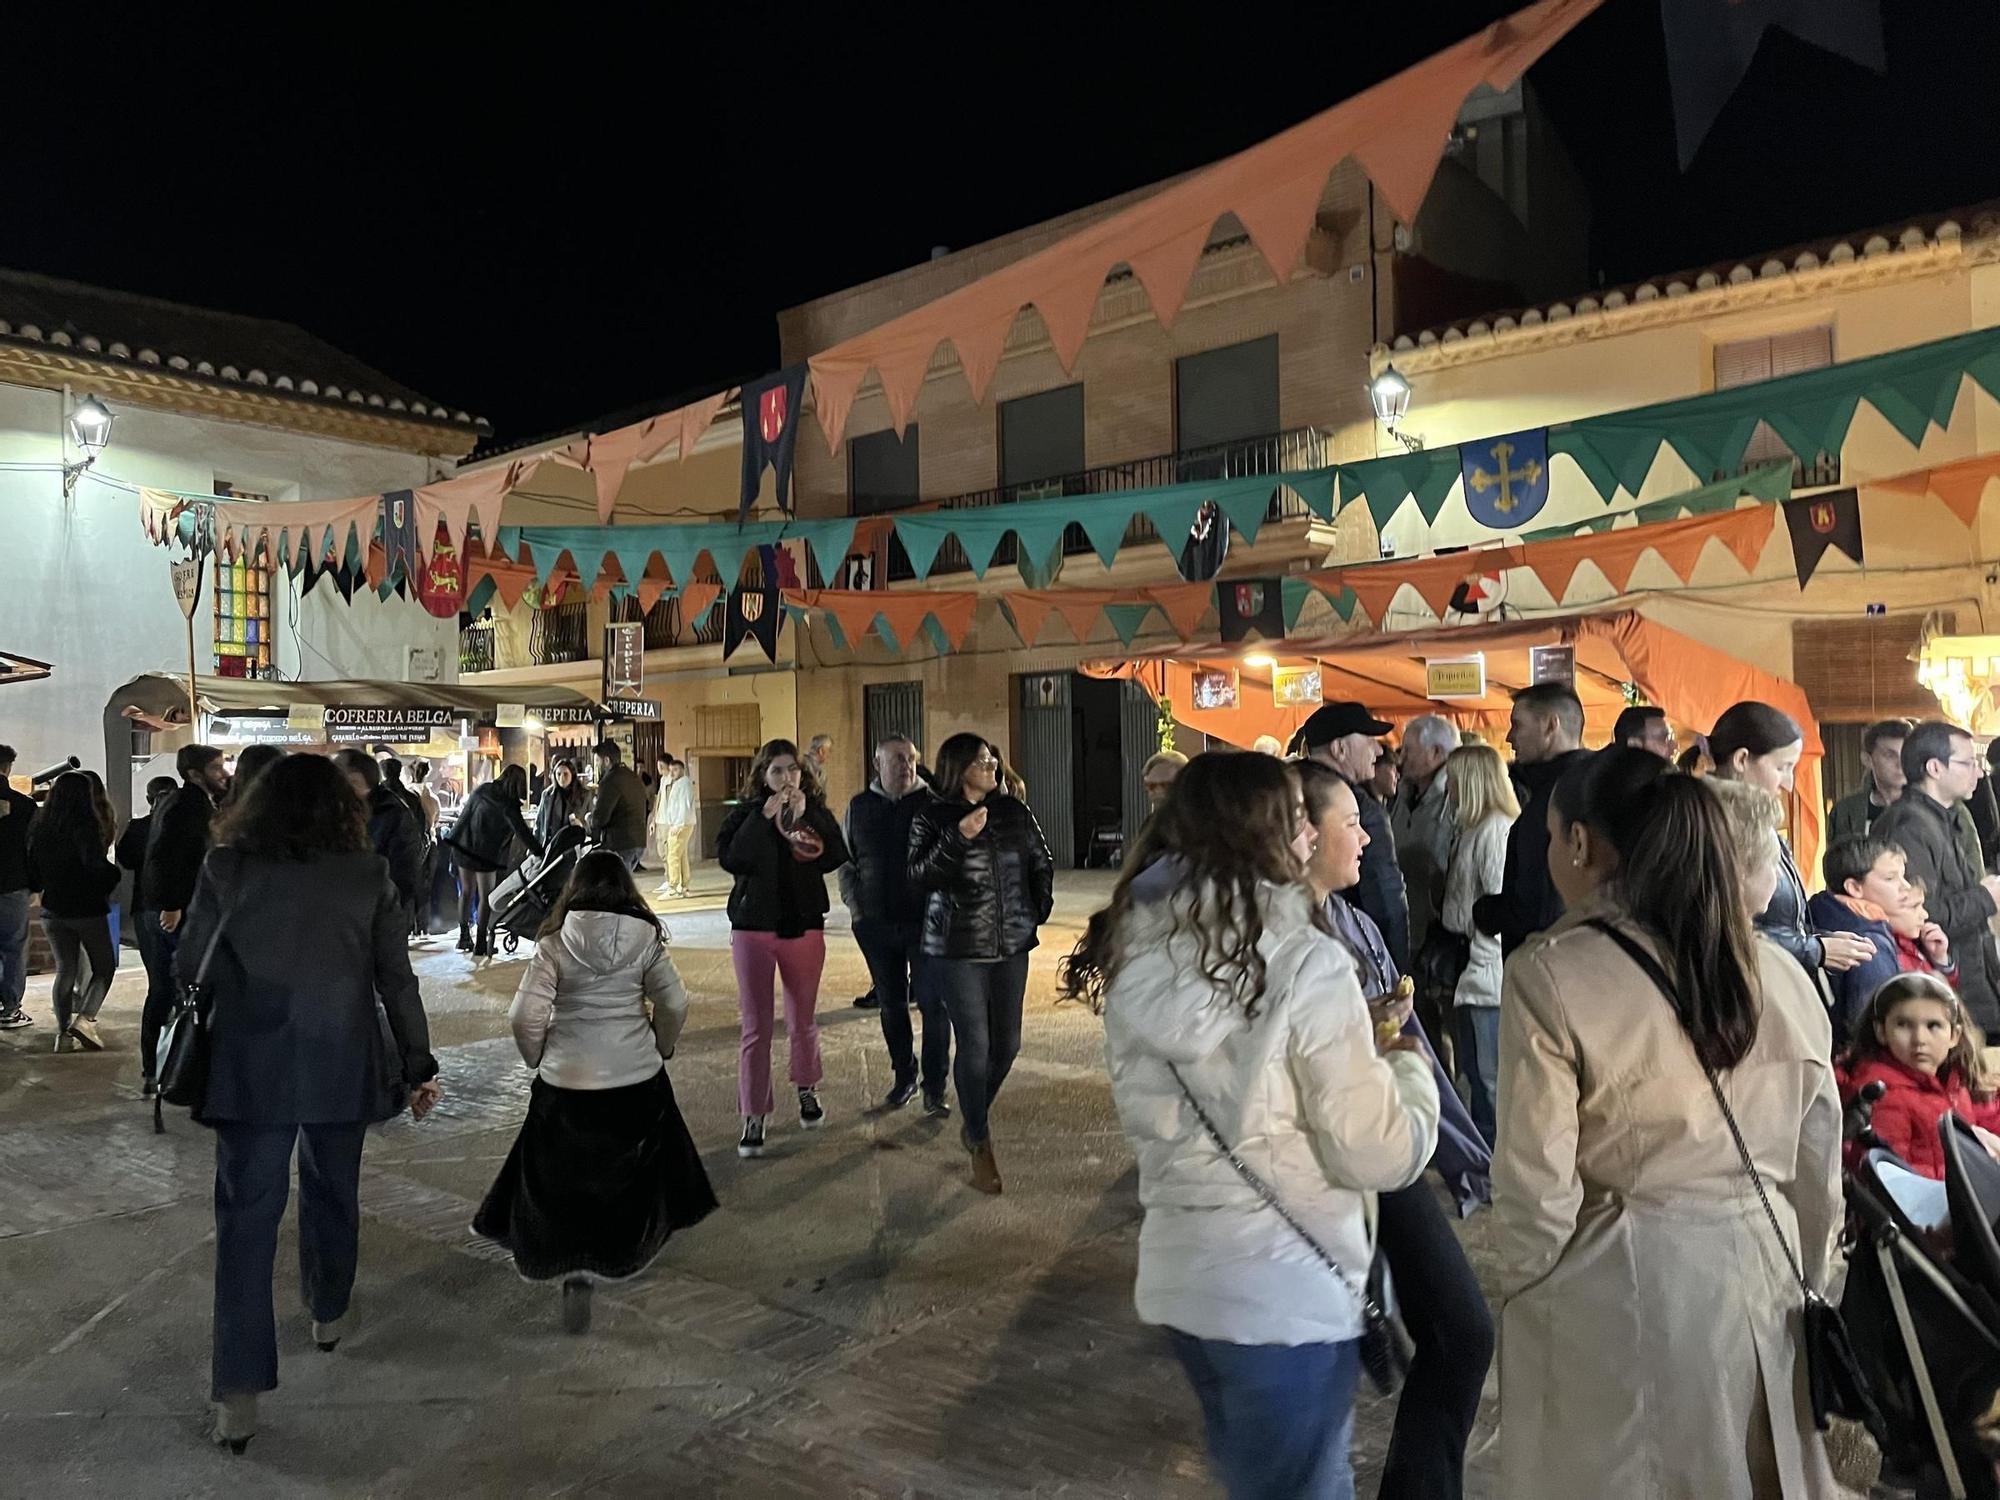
(854, 1322)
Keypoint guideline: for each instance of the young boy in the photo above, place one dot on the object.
(1868, 895)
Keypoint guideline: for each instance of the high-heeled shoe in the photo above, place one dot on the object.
(235, 1422)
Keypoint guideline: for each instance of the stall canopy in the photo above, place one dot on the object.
(1691, 681)
(21, 668)
(160, 698)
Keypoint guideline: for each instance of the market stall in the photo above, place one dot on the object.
(1469, 674)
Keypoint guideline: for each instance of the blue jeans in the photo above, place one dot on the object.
(984, 1001)
(253, 1177)
(894, 954)
(1477, 1029)
(1279, 1417)
(13, 949)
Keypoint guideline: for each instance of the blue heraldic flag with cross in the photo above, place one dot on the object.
(1506, 478)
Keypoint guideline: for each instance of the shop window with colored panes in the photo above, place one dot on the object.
(244, 613)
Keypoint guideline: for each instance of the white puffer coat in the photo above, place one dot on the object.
(579, 1016)
(1302, 1094)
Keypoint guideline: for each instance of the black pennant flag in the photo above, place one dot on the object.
(1820, 522)
(1246, 604)
(770, 432)
(754, 610)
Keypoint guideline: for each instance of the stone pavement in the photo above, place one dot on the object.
(854, 1321)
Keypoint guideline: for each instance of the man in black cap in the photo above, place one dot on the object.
(1546, 733)
(1346, 737)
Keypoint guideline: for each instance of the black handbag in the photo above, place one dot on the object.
(181, 1065)
(1441, 963)
(1834, 1375)
(1385, 1351)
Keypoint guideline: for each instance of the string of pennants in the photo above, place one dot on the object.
(1270, 607)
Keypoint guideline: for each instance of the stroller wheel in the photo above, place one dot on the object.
(510, 942)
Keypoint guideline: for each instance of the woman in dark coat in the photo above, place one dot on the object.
(565, 801)
(481, 841)
(780, 842)
(989, 882)
(306, 932)
(67, 863)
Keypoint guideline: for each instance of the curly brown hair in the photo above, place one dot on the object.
(1229, 821)
(303, 806)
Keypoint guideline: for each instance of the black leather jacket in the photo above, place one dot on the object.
(1786, 922)
(486, 829)
(775, 892)
(985, 896)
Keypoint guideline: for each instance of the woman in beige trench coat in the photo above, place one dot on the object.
(1649, 1337)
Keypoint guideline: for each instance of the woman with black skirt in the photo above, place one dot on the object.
(603, 1170)
(989, 882)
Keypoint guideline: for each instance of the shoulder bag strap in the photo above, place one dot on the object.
(1650, 966)
(214, 940)
(1357, 1290)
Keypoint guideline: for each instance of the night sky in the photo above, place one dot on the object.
(547, 226)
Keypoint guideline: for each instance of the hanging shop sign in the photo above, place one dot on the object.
(187, 586)
(308, 716)
(1215, 687)
(1552, 664)
(510, 716)
(1455, 677)
(1295, 687)
(632, 708)
(624, 660)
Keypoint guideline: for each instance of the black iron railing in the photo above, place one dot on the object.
(475, 648)
(560, 634)
(1276, 453)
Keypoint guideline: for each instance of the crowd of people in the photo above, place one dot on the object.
(1584, 988)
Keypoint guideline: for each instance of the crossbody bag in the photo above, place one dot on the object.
(1833, 1374)
(1383, 1354)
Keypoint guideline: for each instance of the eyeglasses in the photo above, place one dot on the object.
(986, 762)
(1964, 760)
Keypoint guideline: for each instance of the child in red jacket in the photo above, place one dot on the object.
(1918, 1043)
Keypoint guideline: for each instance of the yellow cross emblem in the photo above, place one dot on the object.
(1528, 475)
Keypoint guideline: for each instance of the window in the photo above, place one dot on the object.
(1225, 395)
(882, 471)
(1747, 361)
(1041, 441)
(243, 611)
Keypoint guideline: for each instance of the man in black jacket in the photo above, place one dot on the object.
(176, 845)
(1346, 737)
(392, 828)
(1943, 771)
(888, 920)
(16, 813)
(617, 816)
(1546, 735)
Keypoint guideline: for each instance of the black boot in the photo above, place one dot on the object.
(576, 1305)
(464, 941)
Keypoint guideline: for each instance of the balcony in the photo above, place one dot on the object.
(664, 627)
(560, 634)
(476, 648)
(1277, 453)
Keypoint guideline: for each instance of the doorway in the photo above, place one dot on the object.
(891, 708)
(1079, 747)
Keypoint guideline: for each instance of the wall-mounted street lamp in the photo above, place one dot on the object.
(1389, 393)
(90, 430)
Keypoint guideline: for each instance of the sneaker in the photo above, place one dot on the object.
(752, 1143)
(811, 1115)
(85, 1031)
(869, 1001)
(13, 1020)
(904, 1091)
(936, 1106)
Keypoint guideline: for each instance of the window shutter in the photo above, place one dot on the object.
(1742, 363)
(1802, 349)
(1860, 670)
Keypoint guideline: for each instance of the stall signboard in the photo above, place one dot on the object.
(260, 729)
(394, 726)
(1552, 664)
(569, 713)
(310, 716)
(1295, 687)
(624, 660)
(510, 716)
(1455, 677)
(187, 585)
(1215, 687)
(632, 708)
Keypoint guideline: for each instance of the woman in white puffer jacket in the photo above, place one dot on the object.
(1223, 995)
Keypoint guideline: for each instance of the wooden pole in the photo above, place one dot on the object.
(194, 713)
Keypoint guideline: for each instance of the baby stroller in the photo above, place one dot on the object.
(522, 901)
(1922, 1306)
